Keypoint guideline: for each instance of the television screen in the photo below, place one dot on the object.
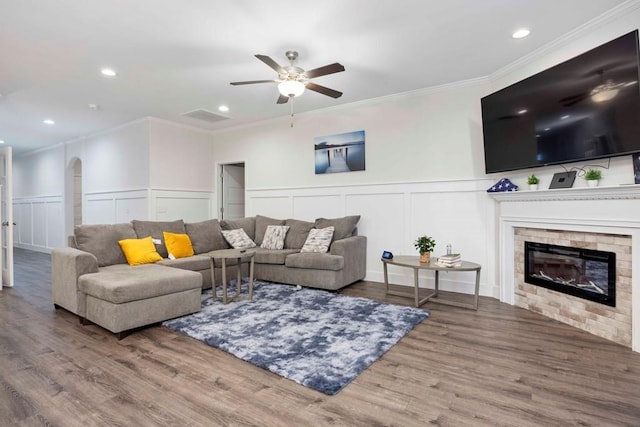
(585, 108)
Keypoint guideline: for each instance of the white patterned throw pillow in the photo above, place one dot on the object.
(238, 239)
(318, 240)
(274, 237)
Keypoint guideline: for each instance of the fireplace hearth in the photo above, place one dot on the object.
(584, 273)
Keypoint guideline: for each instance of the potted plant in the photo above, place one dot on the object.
(425, 246)
(593, 176)
(533, 182)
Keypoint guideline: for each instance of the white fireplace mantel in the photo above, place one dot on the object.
(581, 193)
(610, 210)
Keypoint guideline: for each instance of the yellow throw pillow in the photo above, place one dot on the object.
(178, 245)
(139, 251)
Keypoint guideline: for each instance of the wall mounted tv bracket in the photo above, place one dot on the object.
(563, 180)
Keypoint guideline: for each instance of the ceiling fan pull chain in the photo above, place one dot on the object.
(292, 111)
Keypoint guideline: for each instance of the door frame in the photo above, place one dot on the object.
(219, 185)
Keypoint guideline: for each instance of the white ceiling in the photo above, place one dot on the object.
(175, 56)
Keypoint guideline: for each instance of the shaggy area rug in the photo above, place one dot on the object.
(319, 339)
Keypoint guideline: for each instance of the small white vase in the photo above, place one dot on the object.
(592, 182)
(533, 187)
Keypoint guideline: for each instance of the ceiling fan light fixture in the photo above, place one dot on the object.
(291, 88)
(604, 92)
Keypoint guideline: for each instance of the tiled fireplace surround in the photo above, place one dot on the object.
(603, 218)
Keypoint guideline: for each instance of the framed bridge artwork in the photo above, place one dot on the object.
(342, 152)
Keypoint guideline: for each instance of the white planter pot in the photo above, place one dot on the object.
(592, 182)
(533, 187)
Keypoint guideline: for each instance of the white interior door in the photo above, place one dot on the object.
(232, 191)
(6, 213)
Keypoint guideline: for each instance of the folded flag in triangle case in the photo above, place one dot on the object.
(503, 185)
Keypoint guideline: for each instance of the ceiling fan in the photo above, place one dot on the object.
(293, 80)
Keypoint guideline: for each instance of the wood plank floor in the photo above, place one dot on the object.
(499, 366)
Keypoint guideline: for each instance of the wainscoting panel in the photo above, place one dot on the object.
(394, 215)
(112, 208)
(38, 223)
(191, 206)
(24, 223)
(321, 206)
(271, 206)
(382, 221)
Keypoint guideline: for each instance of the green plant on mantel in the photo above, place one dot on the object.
(593, 175)
(424, 244)
(532, 180)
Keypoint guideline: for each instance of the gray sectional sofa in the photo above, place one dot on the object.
(92, 279)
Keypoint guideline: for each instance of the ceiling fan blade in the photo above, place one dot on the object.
(250, 82)
(282, 99)
(324, 90)
(271, 63)
(323, 71)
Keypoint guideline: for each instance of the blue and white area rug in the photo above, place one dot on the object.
(318, 339)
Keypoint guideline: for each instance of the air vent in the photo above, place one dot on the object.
(205, 116)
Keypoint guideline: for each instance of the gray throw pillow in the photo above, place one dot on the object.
(319, 240)
(101, 240)
(206, 236)
(248, 224)
(238, 239)
(344, 227)
(297, 234)
(261, 226)
(155, 230)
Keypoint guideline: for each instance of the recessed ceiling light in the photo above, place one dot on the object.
(223, 108)
(522, 32)
(48, 122)
(108, 72)
(565, 117)
(524, 110)
(547, 128)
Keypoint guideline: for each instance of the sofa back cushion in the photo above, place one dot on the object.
(155, 229)
(344, 226)
(262, 222)
(248, 224)
(297, 234)
(101, 240)
(206, 236)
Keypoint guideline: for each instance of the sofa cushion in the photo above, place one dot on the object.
(193, 263)
(248, 224)
(178, 245)
(155, 229)
(122, 283)
(315, 261)
(344, 226)
(139, 251)
(274, 237)
(101, 240)
(238, 239)
(273, 256)
(206, 236)
(262, 222)
(297, 234)
(318, 240)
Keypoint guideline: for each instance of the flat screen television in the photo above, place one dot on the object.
(585, 108)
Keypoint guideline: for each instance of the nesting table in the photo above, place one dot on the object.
(242, 256)
(414, 263)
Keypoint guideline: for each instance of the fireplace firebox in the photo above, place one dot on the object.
(584, 273)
